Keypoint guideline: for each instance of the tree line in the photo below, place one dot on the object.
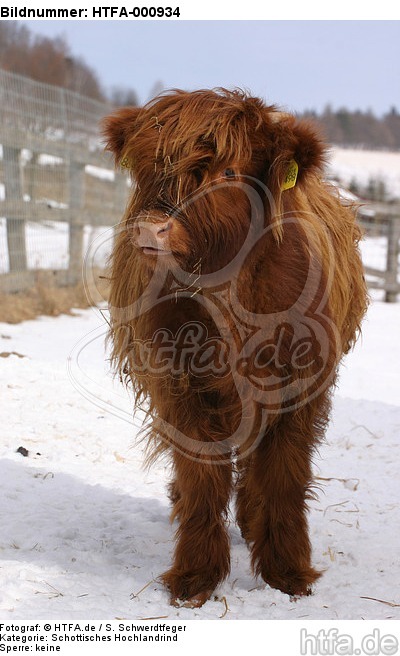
(358, 128)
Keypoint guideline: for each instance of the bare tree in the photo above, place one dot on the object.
(45, 60)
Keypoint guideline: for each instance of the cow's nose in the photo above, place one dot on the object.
(153, 236)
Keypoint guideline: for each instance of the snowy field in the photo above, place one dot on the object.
(361, 166)
(86, 532)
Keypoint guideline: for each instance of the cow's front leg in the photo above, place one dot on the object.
(201, 558)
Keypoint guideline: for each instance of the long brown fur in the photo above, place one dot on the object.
(276, 312)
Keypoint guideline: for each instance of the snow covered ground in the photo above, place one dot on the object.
(86, 532)
(362, 165)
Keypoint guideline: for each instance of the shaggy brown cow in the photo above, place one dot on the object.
(236, 287)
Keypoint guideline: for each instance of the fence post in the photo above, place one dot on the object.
(392, 259)
(76, 228)
(16, 242)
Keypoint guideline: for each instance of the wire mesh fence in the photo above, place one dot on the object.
(58, 188)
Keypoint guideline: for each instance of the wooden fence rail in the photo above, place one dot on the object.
(384, 219)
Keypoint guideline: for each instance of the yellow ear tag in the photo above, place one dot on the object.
(291, 175)
(124, 163)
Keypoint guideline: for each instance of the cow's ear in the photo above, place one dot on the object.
(117, 130)
(295, 141)
(309, 150)
(297, 153)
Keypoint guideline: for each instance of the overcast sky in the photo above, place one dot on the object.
(296, 64)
